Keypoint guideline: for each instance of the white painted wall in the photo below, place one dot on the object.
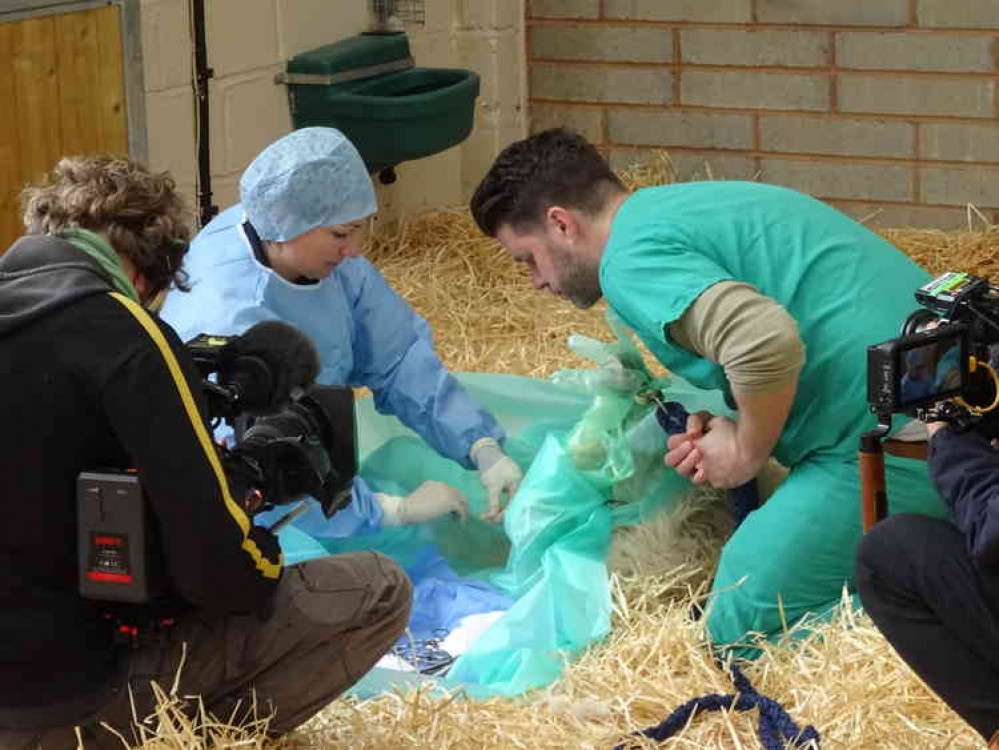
(248, 42)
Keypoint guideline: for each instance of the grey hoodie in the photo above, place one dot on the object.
(40, 274)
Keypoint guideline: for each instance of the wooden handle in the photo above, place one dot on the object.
(872, 488)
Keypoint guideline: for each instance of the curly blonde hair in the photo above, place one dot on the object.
(139, 211)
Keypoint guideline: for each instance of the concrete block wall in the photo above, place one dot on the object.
(888, 109)
(249, 42)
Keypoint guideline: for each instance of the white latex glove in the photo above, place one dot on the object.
(428, 501)
(614, 378)
(498, 474)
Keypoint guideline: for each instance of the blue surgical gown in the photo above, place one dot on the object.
(366, 336)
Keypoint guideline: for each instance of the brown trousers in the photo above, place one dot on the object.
(333, 618)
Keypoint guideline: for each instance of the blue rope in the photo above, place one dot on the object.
(741, 500)
(775, 724)
(774, 728)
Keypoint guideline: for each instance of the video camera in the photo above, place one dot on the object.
(939, 369)
(292, 439)
(288, 443)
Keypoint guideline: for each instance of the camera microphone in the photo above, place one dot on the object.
(267, 365)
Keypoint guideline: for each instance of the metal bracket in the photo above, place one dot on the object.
(357, 74)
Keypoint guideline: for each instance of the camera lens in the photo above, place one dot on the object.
(918, 321)
(309, 448)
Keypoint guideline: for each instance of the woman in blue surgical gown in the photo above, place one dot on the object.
(291, 251)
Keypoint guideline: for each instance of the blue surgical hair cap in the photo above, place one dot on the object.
(313, 177)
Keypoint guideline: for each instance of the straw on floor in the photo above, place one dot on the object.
(843, 678)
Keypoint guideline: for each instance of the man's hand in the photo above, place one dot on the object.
(252, 501)
(709, 452)
(728, 454)
(683, 454)
(932, 427)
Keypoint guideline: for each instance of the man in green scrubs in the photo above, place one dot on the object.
(757, 290)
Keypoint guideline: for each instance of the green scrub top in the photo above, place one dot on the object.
(846, 287)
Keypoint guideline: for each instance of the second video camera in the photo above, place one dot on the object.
(940, 367)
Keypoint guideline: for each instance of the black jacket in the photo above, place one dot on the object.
(89, 380)
(965, 469)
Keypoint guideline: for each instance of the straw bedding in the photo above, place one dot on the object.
(843, 678)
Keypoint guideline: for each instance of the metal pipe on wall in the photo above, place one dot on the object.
(202, 74)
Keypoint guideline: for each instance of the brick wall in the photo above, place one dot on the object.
(884, 107)
(250, 40)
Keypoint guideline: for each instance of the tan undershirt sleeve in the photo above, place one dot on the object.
(750, 335)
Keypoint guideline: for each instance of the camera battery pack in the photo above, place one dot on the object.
(946, 291)
(113, 543)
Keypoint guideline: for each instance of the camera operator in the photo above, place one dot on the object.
(932, 585)
(89, 379)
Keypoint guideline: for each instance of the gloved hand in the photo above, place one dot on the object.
(613, 378)
(498, 474)
(428, 501)
(621, 369)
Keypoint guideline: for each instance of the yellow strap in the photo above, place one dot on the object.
(269, 569)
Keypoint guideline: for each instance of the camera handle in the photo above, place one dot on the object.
(873, 446)
(874, 498)
(291, 515)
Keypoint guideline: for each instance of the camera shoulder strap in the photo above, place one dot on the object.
(268, 568)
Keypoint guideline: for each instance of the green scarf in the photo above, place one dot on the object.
(98, 248)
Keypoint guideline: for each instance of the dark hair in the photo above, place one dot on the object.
(139, 211)
(556, 166)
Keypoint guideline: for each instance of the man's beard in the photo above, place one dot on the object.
(579, 282)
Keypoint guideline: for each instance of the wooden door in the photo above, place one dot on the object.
(62, 94)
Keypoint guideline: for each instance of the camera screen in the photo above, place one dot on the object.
(930, 372)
